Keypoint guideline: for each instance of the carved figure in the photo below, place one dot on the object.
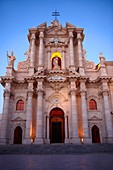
(11, 59)
(55, 63)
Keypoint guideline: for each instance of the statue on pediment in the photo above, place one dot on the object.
(55, 23)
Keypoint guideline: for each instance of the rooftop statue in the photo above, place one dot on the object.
(11, 59)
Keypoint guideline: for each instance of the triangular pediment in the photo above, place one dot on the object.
(95, 118)
(68, 25)
(18, 119)
(43, 25)
(54, 31)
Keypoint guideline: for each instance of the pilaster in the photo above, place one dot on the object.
(28, 130)
(75, 138)
(32, 54)
(39, 119)
(49, 58)
(48, 138)
(80, 51)
(86, 138)
(5, 117)
(71, 50)
(63, 58)
(108, 117)
(66, 130)
(41, 50)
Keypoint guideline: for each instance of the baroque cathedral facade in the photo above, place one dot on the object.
(56, 95)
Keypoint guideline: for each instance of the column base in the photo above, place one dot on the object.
(66, 141)
(47, 141)
(108, 140)
(27, 141)
(31, 70)
(40, 67)
(81, 71)
(75, 140)
(86, 140)
(72, 67)
(38, 141)
(4, 141)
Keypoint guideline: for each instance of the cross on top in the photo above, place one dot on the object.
(55, 14)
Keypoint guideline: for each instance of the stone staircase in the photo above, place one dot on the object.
(55, 149)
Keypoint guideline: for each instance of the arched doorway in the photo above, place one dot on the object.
(95, 134)
(57, 126)
(18, 135)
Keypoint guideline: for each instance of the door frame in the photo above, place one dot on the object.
(57, 115)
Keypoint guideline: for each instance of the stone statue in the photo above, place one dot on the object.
(55, 63)
(11, 59)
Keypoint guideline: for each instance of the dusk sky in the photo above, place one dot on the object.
(17, 16)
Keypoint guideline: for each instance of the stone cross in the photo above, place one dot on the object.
(55, 14)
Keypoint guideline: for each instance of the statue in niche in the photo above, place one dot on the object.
(12, 58)
(55, 63)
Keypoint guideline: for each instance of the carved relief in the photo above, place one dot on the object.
(87, 64)
(24, 65)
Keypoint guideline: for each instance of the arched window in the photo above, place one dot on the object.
(92, 104)
(20, 105)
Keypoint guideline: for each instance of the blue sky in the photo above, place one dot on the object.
(16, 16)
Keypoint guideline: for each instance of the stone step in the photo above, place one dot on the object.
(56, 149)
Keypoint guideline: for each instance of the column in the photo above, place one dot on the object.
(80, 52)
(48, 137)
(86, 138)
(39, 119)
(32, 53)
(75, 138)
(63, 58)
(108, 117)
(28, 130)
(5, 116)
(66, 131)
(41, 47)
(49, 58)
(71, 50)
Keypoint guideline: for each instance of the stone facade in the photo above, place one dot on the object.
(56, 95)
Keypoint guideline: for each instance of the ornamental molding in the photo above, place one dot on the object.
(18, 119)
(56, 98)
(56, 78)
(56, 86)
(95, 118)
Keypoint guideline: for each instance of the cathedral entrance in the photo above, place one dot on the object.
(95, 134)
(56, 126)
(17, 135)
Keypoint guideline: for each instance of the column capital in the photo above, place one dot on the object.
(83, 92)
(79, 37)
(71, 34)
(105, 92)
(30, 93)
(41, 35)
(7, 93)
(32, 37)
(40, 92)
(72, 92)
